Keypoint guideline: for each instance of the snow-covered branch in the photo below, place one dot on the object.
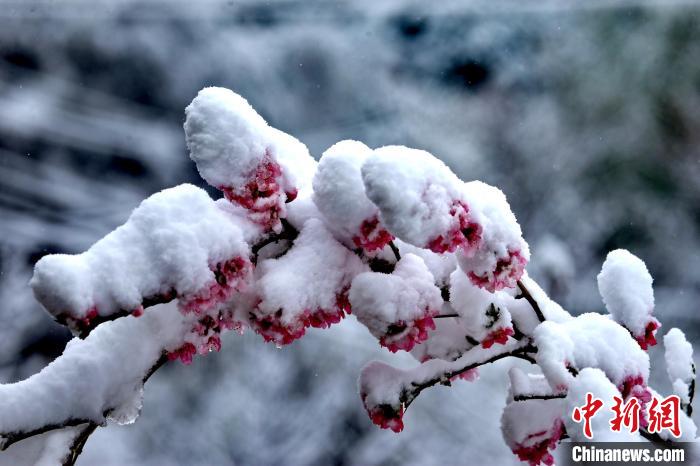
(428, 263)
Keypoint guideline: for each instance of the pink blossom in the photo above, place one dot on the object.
(507, 272)
(463, 233)
(470, 375)
(538, 453)
(184, 353)
(385, 416)
(499, 336)
(262, 194)
(402, 335)
(373, 236)
(230, 275)
(649, 337)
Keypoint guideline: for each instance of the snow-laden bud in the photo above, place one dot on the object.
(305, 287)
(236, 151)
(590, 340)
(679, 363)
(340, 196)
(483, 314)
(380, 389)
(595, 382)
(397, 308)
(424, 204)
(626, 288)
(502, 255)
(177, 243)
(420, 199)
(532, 428)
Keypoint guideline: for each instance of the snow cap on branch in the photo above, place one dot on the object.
(679, 363)
(236, 151)
(307, 286)
(419, 199)
(626, 288)
(502, 254)
(397, 308)
(590, 340)
(380, 386)
(177, 243)
(424, 204)
(340, 196)
(94, 379)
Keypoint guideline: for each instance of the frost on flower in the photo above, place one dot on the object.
(679, 363)
(397, 308)
(594, 381)
(484, 315)
(380, 387)
(307, 286)
(626, 288)
(177, 243)
(590, 340)
(236, 151)
(340, 196)
(532, 428)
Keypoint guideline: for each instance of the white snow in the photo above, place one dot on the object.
(340, 194)
(501, 234)
(481, 312)
(589, 340)
(446, 342)
(626, 288)
(95, 379)
(679, 363)
(170, 242)
(310, 276)
(227, 139)
(529, 422)
(379, 300)
(440, 265)
(524, 384)
(413, 190)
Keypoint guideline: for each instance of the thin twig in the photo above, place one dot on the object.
(525, 293)
(409, 395)
(395, 250)
(539, 397)
(76, 447)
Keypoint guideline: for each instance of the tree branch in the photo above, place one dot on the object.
(463, 364)
(525, 293)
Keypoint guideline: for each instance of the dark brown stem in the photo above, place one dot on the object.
(445, 316)
(395, 250)
(538, 397)
(525, 293)
(409, 395)
(288, 233)
(76, 447)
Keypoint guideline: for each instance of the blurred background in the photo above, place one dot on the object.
(586, 114)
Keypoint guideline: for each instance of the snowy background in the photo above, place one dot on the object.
(586, 115)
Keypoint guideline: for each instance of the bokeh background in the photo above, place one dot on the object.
(587, 115)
